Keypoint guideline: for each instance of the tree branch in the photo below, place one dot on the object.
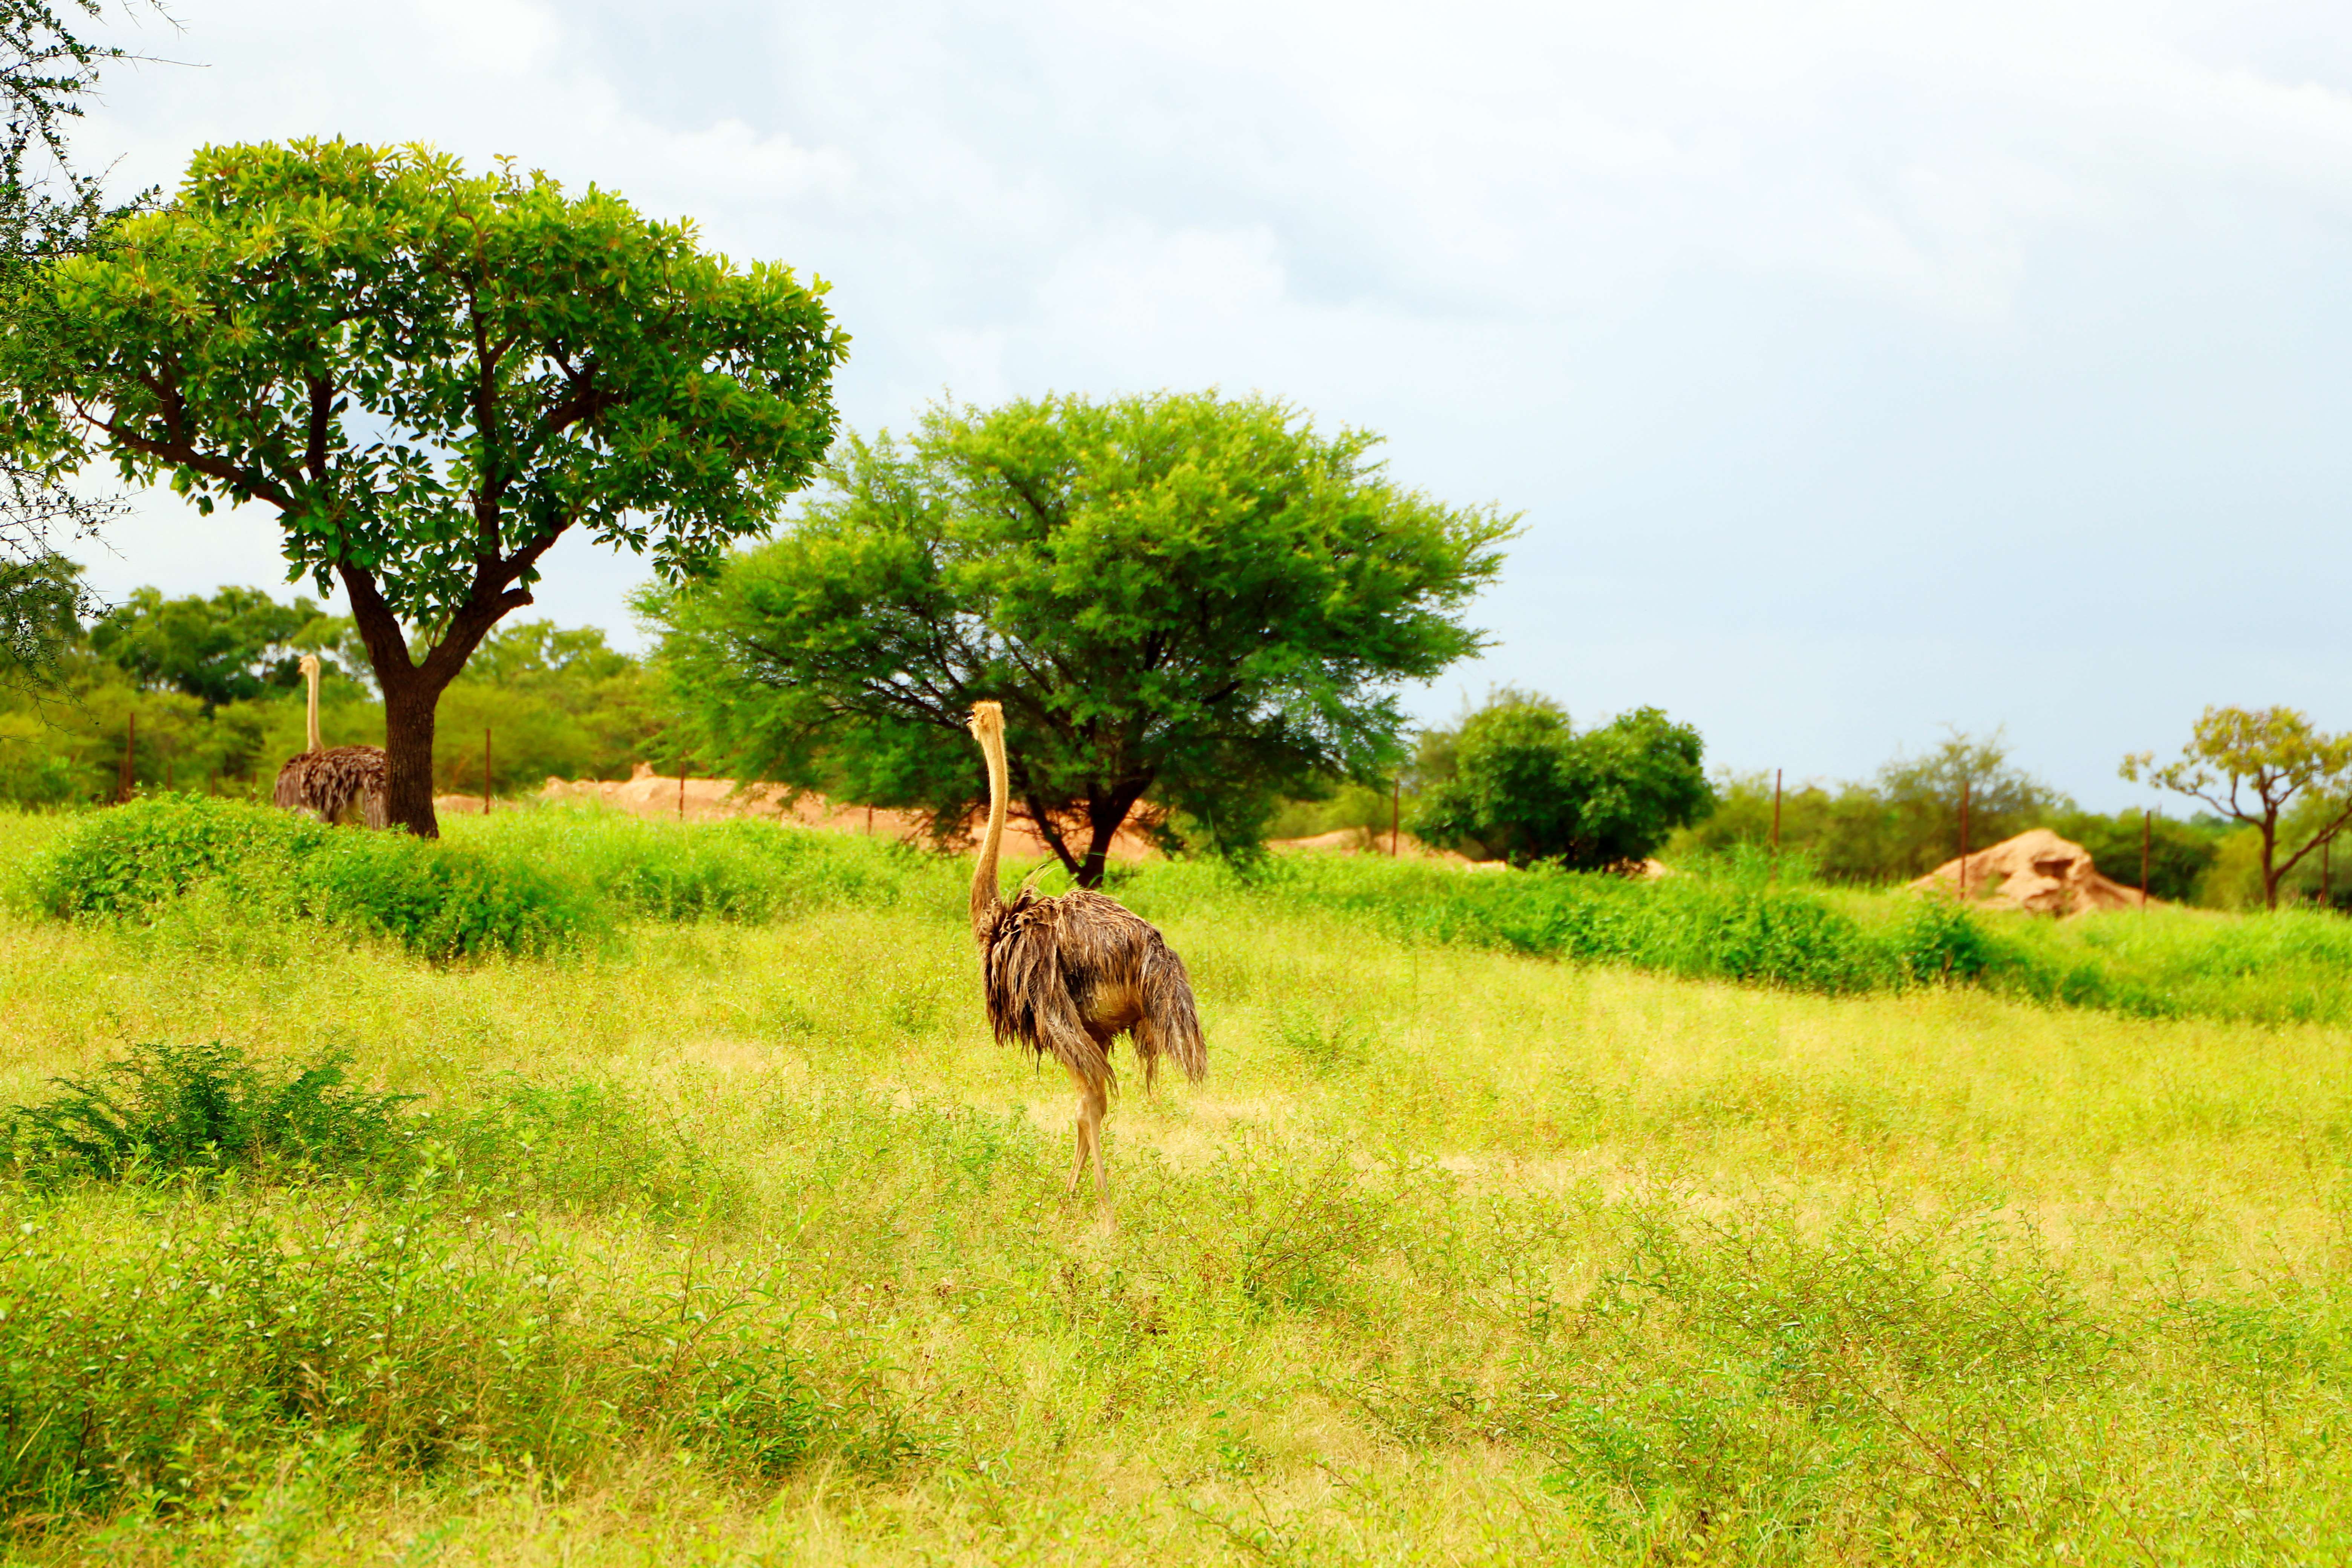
(2343, 818)
(322, 404)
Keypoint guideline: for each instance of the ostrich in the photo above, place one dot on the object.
(332, 784)
(1066, 974)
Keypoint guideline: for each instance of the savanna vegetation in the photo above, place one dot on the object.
(717, 1229)
(1190, 606)
(431, 376)
(203, 693)
(584, 1189)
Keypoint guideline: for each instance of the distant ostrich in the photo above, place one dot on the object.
(1065, 975)
(332, 786)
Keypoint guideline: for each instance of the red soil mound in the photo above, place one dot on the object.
(2036, 871)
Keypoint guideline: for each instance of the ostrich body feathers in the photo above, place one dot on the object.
(334, 784)
(1065, 976)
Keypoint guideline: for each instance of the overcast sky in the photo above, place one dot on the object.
(1859, 369)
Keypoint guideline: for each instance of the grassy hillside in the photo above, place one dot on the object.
(725, 1235)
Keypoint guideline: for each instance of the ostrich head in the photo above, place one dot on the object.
(987, 722)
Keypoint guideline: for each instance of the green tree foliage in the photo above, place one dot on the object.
(1526, 787)
(1922, 797)
(2179, 854)
(40, 597)
(47, 210)
(431, 377)
(2261, 766)
(231, 648)
(1186, 602)
(1901, 824)
(559, 703)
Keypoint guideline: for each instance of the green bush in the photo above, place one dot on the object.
(439, 900)
(2179, 853)
(1731, 929)
(447, 900)
(741, 870)
(127, 862)
(167, 1109)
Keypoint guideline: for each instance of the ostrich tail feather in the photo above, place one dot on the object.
(1170, 1024)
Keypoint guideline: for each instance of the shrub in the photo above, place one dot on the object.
(126, 861)
(1700, 927)
(445, 900)
(165, 1108)
(437, 899)
(736, 870)
(2179, 853)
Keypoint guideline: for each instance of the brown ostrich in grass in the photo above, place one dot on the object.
(1065, 976)
(345, 784)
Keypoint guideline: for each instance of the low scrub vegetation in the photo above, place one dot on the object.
(250, 865)
(552, 882)
(741, 1240)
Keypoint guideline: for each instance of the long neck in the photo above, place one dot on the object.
(984, 899)
(315, 744)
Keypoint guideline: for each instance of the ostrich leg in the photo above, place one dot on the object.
(1093, 1103)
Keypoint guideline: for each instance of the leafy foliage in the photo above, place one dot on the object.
(41, 598)
(1180, 599)
(167, 1109)
(126, 862)
(447, 902)
(441, 901)
(1527, 788)
(2179, 854)
(2254, 764)
(47, 210)
(1900, 824)
(432, 377)
(560, 702)
(234, 647)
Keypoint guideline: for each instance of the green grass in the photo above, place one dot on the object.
(737, 1240)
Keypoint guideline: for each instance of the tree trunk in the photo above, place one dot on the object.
(413, 690)
(408, 756)
(1097, 855)
(2269, 853)
(1104, 816)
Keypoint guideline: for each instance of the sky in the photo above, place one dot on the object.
(1858, 372)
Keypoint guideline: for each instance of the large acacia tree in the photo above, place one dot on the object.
(1185, 603)
(432, 377)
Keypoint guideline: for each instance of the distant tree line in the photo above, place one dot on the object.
(206, 691)
(1905, 820)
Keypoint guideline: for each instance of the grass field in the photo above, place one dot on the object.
(736, 1240)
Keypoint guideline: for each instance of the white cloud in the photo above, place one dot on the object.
(1779, 319)
(495, 37)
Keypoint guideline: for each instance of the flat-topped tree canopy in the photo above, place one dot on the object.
(432, 376)
(1183, 602)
